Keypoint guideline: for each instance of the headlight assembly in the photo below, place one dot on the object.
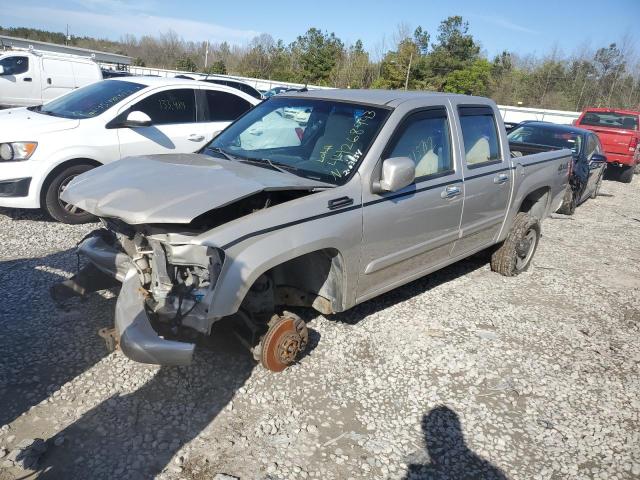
(17, 150)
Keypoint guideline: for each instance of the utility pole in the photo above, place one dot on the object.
(206, 55)
(67, 38)
(406, 82)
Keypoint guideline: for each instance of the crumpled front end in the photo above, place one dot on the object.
(167, 282)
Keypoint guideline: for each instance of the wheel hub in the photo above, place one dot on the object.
(286, 338)
(72, 209)
(525, 248)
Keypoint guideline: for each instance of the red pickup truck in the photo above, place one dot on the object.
(620, 137)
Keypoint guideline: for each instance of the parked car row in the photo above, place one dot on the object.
(218, 204)
(588, 165)
(601, 139)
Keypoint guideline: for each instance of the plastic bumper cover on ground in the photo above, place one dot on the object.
(138, 339)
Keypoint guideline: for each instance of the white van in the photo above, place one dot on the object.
(33, 77)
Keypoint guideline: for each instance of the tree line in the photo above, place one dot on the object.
(449, 60)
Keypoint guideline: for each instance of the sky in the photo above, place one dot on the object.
(523, 27)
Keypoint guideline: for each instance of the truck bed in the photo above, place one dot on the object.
(519, 149)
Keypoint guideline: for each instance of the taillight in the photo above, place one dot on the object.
(633, 144)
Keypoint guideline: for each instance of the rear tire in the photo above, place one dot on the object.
(56, 208)
(626, 174)
(568, 206)
(515, 254)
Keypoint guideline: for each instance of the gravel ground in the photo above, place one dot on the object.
(462, 373)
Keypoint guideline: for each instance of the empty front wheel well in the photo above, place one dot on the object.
(59, 168)
(535, 203)
(314, 280)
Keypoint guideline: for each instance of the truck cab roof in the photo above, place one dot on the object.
(382, 98)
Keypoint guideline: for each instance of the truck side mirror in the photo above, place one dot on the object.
(137, 119)
(397, 173)
(598, 158)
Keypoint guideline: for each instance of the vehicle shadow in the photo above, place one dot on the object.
(447, 456)
(412, 289)
(44, 347)
(33, 214)
(135, 435)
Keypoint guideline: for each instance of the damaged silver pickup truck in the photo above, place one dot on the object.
(322, 199)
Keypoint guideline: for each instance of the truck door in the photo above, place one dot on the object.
(57, 78)
(173, 117)
(19, 85)
(409, 232)
(595, 168)
(487, 178)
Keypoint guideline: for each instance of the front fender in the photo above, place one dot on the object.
(249, 259)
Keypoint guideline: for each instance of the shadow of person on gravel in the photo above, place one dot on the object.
(412, 289)
(44, 347)
(135, 435)
(449, 458)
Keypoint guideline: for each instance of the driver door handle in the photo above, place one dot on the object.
(196, 138)
(451, 192)
(500, 179)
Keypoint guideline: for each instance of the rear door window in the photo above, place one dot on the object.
(424, 138)
(480, 135)
(169, 106)
(223, 106)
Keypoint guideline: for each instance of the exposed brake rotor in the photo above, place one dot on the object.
(286, 338)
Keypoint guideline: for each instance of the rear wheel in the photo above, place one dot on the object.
(514, 255)
(626, 174)
(58, 209)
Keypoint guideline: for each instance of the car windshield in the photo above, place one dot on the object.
(611, 120)
(318, 139)
(89, 101)
(546, 137)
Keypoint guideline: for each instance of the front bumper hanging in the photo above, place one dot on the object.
(138, 339)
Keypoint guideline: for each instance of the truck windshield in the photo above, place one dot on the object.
(610, 119)
(546, 137)
(89, 101)
(318, 139)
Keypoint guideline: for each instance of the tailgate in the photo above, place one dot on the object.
(613, 140)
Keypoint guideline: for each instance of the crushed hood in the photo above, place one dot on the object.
(16, 122)
(173, 188)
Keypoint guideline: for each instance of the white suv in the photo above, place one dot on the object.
(42, 148)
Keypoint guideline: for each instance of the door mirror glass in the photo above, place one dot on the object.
(137, 119)
(1, 70)
(397, 173)
(598, 158)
